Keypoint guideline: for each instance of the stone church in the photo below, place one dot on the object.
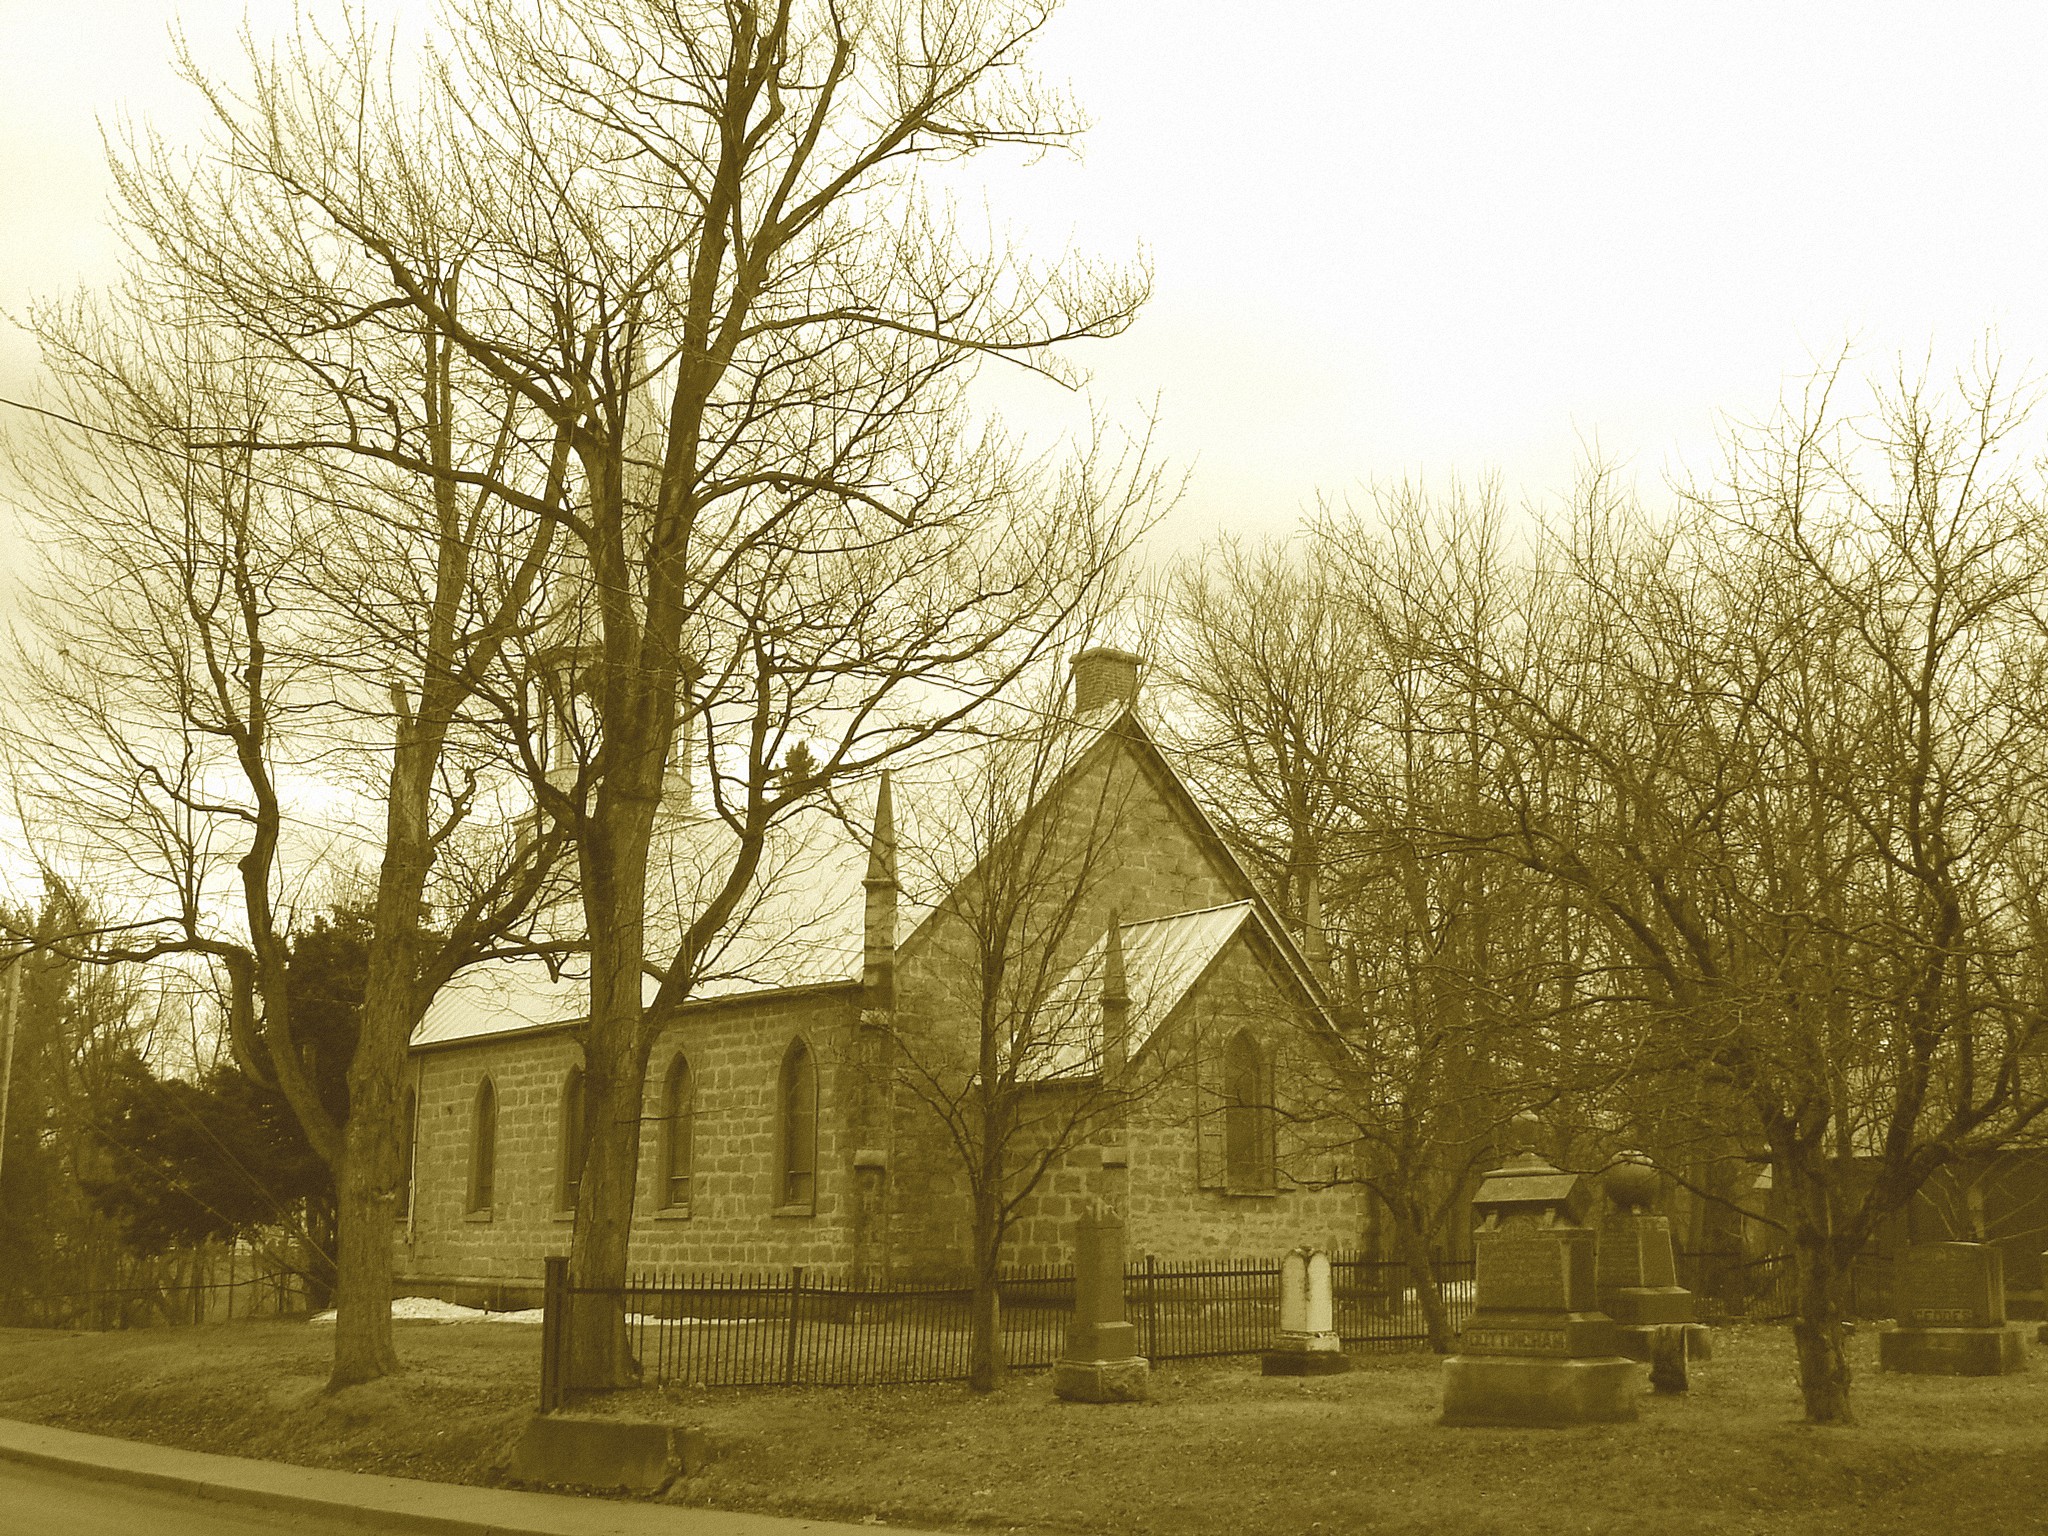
(795, 1112)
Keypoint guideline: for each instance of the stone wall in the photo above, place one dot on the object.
(1151, 861)
(1118, 824)
(1175, 1207)
(735, 1048)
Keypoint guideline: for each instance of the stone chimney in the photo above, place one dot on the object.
(1104, 676)
(878, 967)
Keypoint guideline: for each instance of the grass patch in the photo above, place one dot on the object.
(1220, 1449)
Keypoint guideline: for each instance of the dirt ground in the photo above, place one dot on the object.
(1219, 1450)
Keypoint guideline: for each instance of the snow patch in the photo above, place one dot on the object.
(425, 1309)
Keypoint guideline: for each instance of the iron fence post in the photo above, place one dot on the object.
(554, 1301)
(1151, 1307)
(796, 1289)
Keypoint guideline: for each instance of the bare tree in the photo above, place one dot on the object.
(696, 243)
(1334, 758)
(1785, 750)
(1009, 1026)
(239, 652)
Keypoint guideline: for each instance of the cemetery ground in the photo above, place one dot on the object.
(1220, 1450)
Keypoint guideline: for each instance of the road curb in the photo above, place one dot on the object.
(274, 1499)
(372, 1500)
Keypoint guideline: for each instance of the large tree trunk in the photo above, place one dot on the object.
(614, 1073)
(1817, 1333)
(365, 1187)
(1413, 1245)
(366, 1174)
(600, 1355)
(987, 1360)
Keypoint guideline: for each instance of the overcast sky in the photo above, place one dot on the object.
(1388, 240)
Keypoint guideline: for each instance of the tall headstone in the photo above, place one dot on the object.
(1638, 1275)
(1101, 1363)
(1537, 1351)
(1950, 1303)
(1307, 1344)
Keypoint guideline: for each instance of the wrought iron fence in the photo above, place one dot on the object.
(1379, 1305)
(1763, 1289)
(178, 1290)
(810, 1327)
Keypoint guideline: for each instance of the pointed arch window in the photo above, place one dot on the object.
(575, 1142)
(1247, 1115)
(797, 1102)
(678, 1134)
(483, 1150)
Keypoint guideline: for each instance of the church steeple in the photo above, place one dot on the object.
(1315, 942)
(878, 967)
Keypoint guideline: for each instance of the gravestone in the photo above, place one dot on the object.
(1638, 1275)
(1537, 1351)
(1670, 1370)
(1307, 1344)
(1101, 1363)
(1950, 1303)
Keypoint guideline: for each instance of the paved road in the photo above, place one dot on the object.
(38, 1502)
(58, 1482)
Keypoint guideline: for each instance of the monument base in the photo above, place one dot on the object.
(1539, 1393)
(1645, 1306)
(1637, 1341)
(1102, 1381)
(1310, 1359)
(581, 1451)
(1952, 1351)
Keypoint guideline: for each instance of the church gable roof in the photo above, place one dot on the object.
(803, 925)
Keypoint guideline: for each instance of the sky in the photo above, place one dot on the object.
(1388, 241)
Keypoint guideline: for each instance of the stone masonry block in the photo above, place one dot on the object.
(1952, 1351)
(1539, 1393)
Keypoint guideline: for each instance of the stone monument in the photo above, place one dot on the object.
(1638, 1271)
(1307, 1344)
(1101, 1363)
(1537, 1350)
(1950, 1303)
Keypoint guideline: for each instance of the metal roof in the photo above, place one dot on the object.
(803, 922)
(1164, 957)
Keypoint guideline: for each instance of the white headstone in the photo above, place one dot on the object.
(1319, 1318)
(1295, 1301)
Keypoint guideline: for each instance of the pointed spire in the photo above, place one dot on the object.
(882, 850)
(1116, 1001)
(1115, 984)
(1315, 944)
(878, 962)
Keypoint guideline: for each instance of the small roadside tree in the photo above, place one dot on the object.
(67, 1029)
(1333, 757)
(1019, 1047)
(256, 664)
